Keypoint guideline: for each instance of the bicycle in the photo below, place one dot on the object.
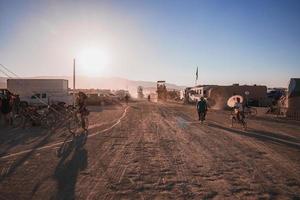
(250, 111)
(43, 117)
(75, 121)
(238, 119)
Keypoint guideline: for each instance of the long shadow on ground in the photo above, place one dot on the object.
(263, 136)
(20, 161)
(67, 171)
(278, 120)
(10, 138)
(66, 174)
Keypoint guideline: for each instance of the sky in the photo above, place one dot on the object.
(233, 41)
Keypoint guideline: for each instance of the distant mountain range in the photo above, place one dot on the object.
(113, 83)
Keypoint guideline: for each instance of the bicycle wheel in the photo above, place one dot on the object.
(232, 112)
(232, 121)
(73, 124)
(253, 112)
(244, 123)
(18, 120)
(50, 120)
(86, 123)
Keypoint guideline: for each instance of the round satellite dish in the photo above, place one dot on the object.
(232, 100)
(247, 93)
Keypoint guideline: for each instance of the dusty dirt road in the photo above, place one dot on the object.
(155, 151)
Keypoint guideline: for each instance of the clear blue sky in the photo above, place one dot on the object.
(246, 42)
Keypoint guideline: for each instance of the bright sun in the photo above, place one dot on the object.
(92, 61)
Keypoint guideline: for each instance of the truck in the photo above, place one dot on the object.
(41, 92)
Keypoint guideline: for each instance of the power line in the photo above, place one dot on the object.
(18, 77)
(5, 73)
(9, 71)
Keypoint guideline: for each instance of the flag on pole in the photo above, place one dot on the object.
(197, 74)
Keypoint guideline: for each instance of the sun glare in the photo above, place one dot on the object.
(93, 62)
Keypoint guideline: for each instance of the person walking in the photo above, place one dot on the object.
(202, 109)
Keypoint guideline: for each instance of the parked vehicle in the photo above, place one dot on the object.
(40, 92)
(43, 99)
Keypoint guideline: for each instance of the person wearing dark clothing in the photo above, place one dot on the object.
(202, 109)
(0, 110)
(82, 108)
(6, 109)
(126, 99)
(16, 104)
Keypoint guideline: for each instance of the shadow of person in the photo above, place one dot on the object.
(26, 156)
(68, 145)
(264, 136)
(80, 140)
(65, 149)
(66, 174)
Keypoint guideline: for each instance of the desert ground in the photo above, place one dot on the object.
(153, 151)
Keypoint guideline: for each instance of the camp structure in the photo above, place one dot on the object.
(254, 94)
(293, 110)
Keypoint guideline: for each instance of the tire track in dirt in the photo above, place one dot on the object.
(62, 142)
(195, 166)
(224, 140)
(154, 154)
(50, 181)
(108, 188)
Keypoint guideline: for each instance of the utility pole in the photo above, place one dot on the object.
(74, 82)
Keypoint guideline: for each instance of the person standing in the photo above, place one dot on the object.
(16, 104)
(1, 110)
(6, 108)
(81, 103)
(126, 98)
(202, 109)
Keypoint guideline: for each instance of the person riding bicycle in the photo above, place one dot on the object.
(202, 109)
(82, 110)
(239, 110)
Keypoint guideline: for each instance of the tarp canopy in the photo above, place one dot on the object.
(232, 100)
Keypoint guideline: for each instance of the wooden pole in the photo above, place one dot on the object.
(74, 71)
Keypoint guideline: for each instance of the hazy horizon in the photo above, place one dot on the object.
(120, 82)
(254, 42)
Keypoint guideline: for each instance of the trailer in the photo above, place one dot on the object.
(40, 92)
